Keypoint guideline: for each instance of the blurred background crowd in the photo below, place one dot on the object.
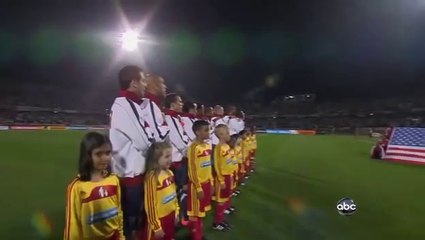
(47, 105)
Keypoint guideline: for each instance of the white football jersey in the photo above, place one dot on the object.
(130, 136)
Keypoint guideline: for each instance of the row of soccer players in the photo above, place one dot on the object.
(137, 121)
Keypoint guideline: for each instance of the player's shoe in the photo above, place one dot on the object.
(219, 227)
(227, 225)
(230, 210)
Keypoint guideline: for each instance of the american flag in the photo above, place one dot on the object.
(407, 144)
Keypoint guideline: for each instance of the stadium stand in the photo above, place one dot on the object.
(341, 117)
(47, 106)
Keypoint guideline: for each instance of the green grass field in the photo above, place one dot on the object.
(292, 195)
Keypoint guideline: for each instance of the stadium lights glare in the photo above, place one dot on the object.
(130, 40)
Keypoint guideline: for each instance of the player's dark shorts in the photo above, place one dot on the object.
(132, 202)
(181, 178)
(180, 173)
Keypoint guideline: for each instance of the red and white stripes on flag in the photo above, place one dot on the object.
(407, 145)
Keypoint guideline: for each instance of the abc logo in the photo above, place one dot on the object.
(346, 207)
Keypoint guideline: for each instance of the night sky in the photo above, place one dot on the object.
(220, 49)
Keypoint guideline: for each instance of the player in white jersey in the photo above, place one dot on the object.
(178, 137)
(237, 123)
(200, 112)
(155, 93)
(216, 120)
(180, 142)
(188, 118)
(230, 119)
(130, 138)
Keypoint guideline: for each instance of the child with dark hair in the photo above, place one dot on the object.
(94, 197)
(200, 179)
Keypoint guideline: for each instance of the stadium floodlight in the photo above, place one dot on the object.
(130, 40)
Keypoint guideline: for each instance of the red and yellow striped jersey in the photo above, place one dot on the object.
(94, 210)
(238, 154)
(160, 197)
(254, 141)
(234, 159)
(199, 157)
(223, 162)
(246, 148)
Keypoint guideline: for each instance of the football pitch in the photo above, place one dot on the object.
(292, 195)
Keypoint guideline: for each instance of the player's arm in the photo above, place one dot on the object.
(233, 126)
(245, 150)
(120, 214)
(151, 202)
(219, 164)
(188, 128)
(129, 127)
(177, 135)
(242, 125)
(177, 211)
(193, 168)
(176, 202)
(242, 149)
(157, 121)
(73, 227)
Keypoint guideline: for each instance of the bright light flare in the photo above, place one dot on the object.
(130, 40)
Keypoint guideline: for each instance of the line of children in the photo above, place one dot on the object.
(93, 200)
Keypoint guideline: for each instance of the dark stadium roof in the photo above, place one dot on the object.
(333, 48)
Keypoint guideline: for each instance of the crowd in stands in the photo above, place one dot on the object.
(345, 114)
(55, 109)
(49, 107)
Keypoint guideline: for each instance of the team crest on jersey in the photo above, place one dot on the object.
(167, 182)
(103, 192)
(225, 153)
(205, 153)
